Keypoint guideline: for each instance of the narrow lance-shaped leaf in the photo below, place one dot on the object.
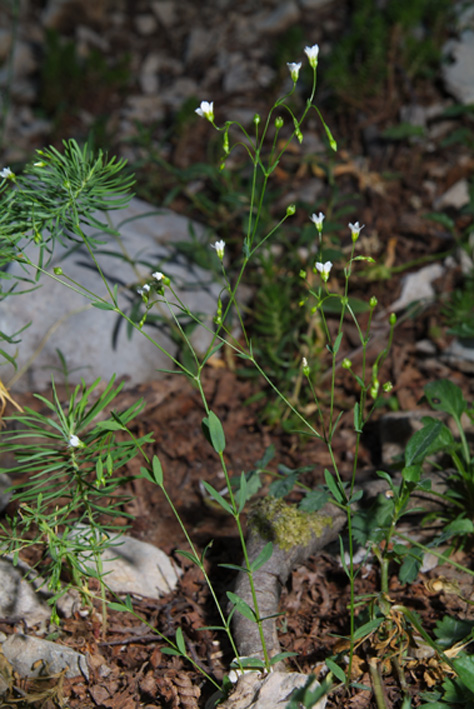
(157, 471)
(216, 433)
(242, 493)
(218, 497)
(180, 641)
(241, 606)
(333, 487)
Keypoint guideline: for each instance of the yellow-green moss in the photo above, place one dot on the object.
(284, 524)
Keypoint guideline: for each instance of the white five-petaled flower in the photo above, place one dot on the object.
(355, 230)
(206, 110)
(317, 220)
(324, 269)
(158, 276)
(219, 246)
(294, 68)
(74, 441)
(7, 173)
(312, 53)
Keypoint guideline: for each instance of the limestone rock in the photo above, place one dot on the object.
(31, 657)
(418, 287)
(64, 320)
(272, 691)
(135, 567)
(459, 75)
(18, 599)
(457, 196)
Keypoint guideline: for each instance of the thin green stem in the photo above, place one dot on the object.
(224, 621)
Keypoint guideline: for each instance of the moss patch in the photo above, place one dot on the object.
(284, 524)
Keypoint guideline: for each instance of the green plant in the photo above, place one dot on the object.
(70, 82)
(53, 200)
(402, 35)
(455, 488)
(67, 495)
(459, 310)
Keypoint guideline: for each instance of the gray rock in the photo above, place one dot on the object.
(24, 594)
(418, 287)
(165, 11)
(284, 15)
(460, 355)
(272, 691)
(5, 483)
(202, 44)
(181, 89)
(457, 196)
(149, 79)
(18, 599)
(32, 657)
(87, 38)
(139, 109)
(458, 70)
(63, 319)
(135, 567)
(24, 63)
(146, 24)
(459, 74)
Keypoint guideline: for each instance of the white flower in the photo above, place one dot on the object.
(158, 276)
(312, 54)
(206, 110)
(144, 290)
(318, 219)
(7, 174)
(219, 246)
(324, 269)
(294, 68)
(75, 441)
(355, 230)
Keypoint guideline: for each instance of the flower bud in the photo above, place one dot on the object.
(317, 220)
(226, 143)
(374, 389)
(313, 54)
(219, 246)
(294, 68)
(324, 269)
(75, 442)
(58, 271)
(305, 366)
(355, 230)
(206, 110)
(279, 122)
(290, 210)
